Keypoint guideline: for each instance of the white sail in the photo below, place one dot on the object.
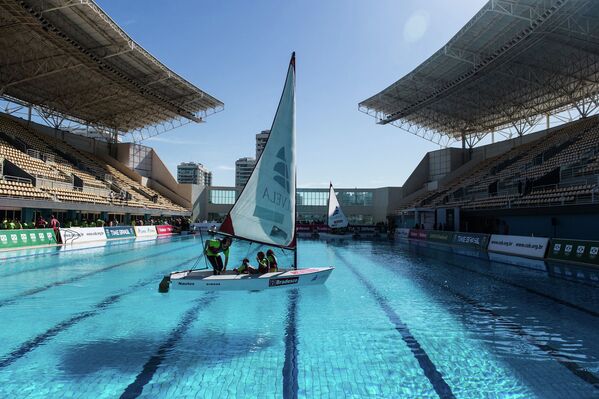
(336, 217)
(265, 210)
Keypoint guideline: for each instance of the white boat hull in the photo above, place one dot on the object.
(204, 280)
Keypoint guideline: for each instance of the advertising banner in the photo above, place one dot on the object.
(402, 232)
(26, 238)
(145, 231)
(164, 229)
(445, 237)
(115, 232)
(574, 251)
(471, 240)
(417, 234)
(532, 247)
(76, 235)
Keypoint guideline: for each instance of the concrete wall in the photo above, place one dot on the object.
(418, 178)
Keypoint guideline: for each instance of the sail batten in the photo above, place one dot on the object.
(336, 218)
(265, 209)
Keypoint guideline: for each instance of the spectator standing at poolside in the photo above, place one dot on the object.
(54, 225)
(41, 223)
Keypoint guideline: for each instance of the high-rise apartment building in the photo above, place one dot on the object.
(243, 170)
(193, 173)
(261, 139)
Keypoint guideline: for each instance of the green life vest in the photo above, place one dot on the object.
(214, 247)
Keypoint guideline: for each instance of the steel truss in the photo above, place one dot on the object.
(70, 61)
(513, 64)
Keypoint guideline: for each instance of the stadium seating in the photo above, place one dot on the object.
(55, 164)
(561, 168)
(18, 189)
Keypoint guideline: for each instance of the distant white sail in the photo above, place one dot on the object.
(265, 210)
(336, 217)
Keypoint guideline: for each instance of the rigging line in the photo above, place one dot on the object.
(203, 255)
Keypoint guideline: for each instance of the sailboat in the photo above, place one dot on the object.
(336, 219)
(264, 213)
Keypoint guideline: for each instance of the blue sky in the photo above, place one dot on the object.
(346, 51)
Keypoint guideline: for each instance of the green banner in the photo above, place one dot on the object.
(574, 251)
(113, 232)
(10, 239)
(445, 237)
(472, 240)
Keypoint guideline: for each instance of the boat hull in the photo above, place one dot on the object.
(204, 280)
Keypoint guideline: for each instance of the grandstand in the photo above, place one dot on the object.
(68, 62)
(513, 66)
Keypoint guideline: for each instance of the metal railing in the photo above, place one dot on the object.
(16, 179)
(41, 182)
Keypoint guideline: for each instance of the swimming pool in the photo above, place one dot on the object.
(391, 322)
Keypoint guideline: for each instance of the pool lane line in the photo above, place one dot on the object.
(290, 370)
(44, 337)
(426, 364)
(563, 359)
(33, 291)
(80, 249)
(135, 389)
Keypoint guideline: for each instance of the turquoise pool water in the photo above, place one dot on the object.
(391, 322)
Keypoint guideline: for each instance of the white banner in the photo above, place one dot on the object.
(146, 231)
(76, 235)
(402, 232)
(532, 247)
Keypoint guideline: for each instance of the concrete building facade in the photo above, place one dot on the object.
(362, 206)
(261, 139)
(193, 173)
(243, 170)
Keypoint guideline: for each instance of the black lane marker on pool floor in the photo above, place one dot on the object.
(74, 250)
(42, 338)
(149, 369)
(563, 359)
(33, 291)
(426, 364)
(290, 383)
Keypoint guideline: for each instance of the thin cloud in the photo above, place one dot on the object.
(416, 26)
(225, 167)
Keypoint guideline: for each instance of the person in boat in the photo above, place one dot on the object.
(245, 268)
(273, 265)
(213, 248)
(262, 263)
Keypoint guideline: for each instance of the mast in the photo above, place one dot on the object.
(295, 211)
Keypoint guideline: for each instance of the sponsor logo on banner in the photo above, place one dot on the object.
(533, 247)
(26, 238)
(277, 282)
(440, 236)
(115, 232)
(575, 250)
(478, 241)
(418, 234)
(77, 235)
(164, 229)
(145, 231)
(402, 232)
